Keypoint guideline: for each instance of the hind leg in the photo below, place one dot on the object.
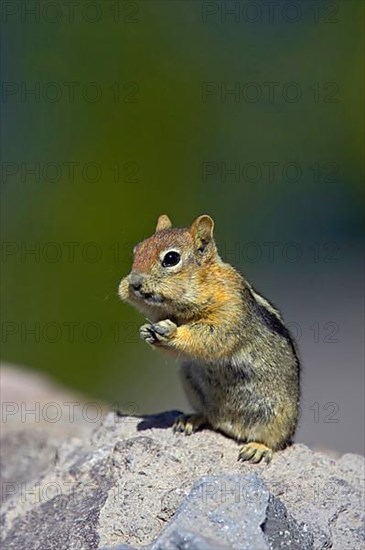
(263, 440)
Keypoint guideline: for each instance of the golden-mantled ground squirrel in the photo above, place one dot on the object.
(239, 365)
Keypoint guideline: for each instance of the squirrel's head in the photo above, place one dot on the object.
(170, 268)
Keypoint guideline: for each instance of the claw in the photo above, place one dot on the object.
(189, 423)
(158, 333)
(254, 452)
(147, 334)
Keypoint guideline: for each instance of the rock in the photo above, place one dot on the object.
(227, 510)
(185, 540)
(30, 399)
(318, 490)
(38, 453)
(233, 511)
(133, 482)
(282, 531)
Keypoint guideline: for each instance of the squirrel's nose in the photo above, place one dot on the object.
(135, 280)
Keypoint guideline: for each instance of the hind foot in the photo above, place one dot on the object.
(254, 452)
(189, 423)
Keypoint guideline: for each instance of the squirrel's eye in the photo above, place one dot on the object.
(171, 258)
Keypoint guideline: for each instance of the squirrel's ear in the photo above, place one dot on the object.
(163, 222)
(202, 230)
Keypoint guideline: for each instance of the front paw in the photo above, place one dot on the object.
(158, 333)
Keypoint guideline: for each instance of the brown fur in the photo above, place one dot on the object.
(239, 366)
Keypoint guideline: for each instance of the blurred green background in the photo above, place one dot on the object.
(142, 108)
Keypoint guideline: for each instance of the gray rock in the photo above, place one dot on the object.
(226, 509)
(129, 484)
(236, 512)
(186, 540)
(282, 531)
(119, 547)
(39, 451)
(318, 491)
(64, 512)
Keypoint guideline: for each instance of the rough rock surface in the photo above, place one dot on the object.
(230, 508)
(132, 483)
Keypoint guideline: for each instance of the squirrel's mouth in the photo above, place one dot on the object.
(148, 297)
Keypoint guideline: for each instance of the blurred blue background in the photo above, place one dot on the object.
(116, 112)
